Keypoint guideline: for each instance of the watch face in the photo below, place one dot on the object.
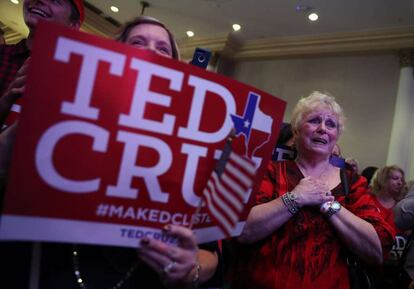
(336, 206)
(292, 196)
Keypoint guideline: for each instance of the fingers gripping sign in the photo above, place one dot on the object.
(172, 263)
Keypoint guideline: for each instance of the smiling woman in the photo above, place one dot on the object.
(305, 220)
(149, 33)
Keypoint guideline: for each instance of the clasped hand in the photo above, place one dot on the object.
(312, 192)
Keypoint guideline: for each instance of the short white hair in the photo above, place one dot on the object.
(314, 101)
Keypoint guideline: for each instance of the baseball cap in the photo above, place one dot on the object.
(81, 9)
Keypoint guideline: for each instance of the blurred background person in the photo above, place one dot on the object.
(404, 220)
(353, 164)
(284, 149)
(368, 173)
(404, 209)
(388, 188)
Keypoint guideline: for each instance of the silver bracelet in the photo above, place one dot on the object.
(196, 279)
(289, 199)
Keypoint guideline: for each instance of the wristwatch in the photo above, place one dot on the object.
(325, 207)
(334, 208)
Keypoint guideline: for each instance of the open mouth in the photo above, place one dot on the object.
(319, 141)
(39, 12)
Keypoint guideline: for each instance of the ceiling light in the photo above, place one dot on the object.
(313, 17)
(114, 9)
(14, 1)
(236, 27)
(190, 33)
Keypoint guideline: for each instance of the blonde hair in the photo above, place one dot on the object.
(381, 176)
(314, 101)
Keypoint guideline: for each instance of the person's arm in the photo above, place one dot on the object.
(7, 139)
(358, 235)
(360, 225)
(13, 92)
(263, 220)
(404, 212)
(266, 218)
(182, 266)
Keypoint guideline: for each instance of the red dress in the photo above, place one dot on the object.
(305, 252)
(386, 213)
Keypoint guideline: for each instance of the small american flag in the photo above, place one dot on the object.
(227, 187)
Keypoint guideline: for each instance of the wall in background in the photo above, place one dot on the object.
(365, 86)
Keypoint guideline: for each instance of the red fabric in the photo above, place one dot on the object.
(386, 213)
(12, 58)
(305, 252)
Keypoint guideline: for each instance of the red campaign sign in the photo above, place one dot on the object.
(115, 142)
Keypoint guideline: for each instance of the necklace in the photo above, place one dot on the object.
(80, 280)
(322, 172)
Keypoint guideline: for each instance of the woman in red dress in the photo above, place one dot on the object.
(387, 186)
(304, 224)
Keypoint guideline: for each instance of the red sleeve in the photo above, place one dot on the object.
(273, 183)
(361, 203)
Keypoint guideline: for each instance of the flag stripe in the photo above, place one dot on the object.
(247, 182)
(231, 190)
(247, 164)
(232, 216)
(226, 229)
(227, 189)
(211, 189)
(232, 184)
(235, 199)
(221, 221)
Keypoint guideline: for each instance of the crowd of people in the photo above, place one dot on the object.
(313, 220)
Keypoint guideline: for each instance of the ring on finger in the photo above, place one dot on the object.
(167, 268)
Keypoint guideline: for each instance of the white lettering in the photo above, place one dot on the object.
(143, 95)
(47, 144)
(193, 153)
(129, 170)
(192, 131)
(92, 55)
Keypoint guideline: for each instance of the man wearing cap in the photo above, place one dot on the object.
(14, 60)
(14, 57)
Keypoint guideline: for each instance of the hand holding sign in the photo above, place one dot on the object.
(126, 142)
